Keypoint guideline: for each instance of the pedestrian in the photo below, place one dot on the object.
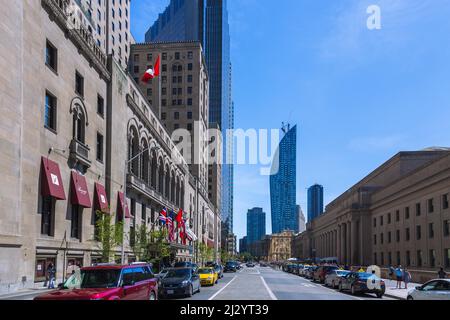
(399, 276)
(406, 277)
(442, 274)
(51, 276)
(391, 272)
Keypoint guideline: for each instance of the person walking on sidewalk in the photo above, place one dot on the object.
(406, 277)
(399, 276)
(442, 274)
(51, 276)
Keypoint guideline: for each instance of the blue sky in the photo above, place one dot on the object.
(357, 96)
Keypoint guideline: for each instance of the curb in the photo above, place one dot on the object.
(394, 296)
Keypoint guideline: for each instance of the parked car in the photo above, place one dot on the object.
(321, 272)
(309, 273)
(219, 269)
(333, 278)
(250, 265)
(179, 282)
(302, 271)
(362, 282)
(108, 282)
(162, 273)
(208, 276)
(231, 266)
(438, 289)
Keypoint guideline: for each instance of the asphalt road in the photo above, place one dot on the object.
(269, 284)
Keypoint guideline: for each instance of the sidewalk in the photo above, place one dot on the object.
(400, 294)
(20, 294)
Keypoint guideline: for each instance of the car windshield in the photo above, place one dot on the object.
(178, 273)
(205, 271)
(342, 272)
(365, 275)
(90, 279)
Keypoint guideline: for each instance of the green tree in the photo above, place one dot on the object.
(159, 247)
(141, 244)
(107, 235)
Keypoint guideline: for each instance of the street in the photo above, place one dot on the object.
(269, 284)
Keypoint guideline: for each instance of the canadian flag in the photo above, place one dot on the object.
(151, 73)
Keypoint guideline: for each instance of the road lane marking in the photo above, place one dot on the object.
(272, 296)
(218, 292)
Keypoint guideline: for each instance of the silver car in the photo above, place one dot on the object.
(333, 278)
(438, 289)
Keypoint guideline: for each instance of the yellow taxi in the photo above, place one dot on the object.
(208, 277)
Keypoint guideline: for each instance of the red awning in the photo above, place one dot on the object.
(51, 182)
(101, 200)
(120, 207)
(80, 193)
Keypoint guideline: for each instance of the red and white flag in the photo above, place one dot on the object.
(151, 73)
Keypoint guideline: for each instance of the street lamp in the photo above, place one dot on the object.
(127, 162)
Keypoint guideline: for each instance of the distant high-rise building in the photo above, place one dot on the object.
(315, 201)
(301, 219)
(283, 183)
(243, 245)
(256, 225)
(206, 21)
(183, 20)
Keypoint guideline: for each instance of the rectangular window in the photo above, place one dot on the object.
(381, 220)
(430, 205)
(189, 115)
(374, 222)
(190, 55)
(406, 213)
(418, 209)
(177, 56)
(75, 222)
(164, 56)
(445, 202)
(389, 237)
(144, 215)
(50, 111)
(79, 84)
(397, 256)
(382, 238)
(418, 233)
(99, 147)
(163, 116)
(149, 92)
(432, 258)
(408, 258)
(397, 215)
(189, 102)
(163, 91)
(190, 67)
(446, 225)
(407, 234)
(189, 89)
(430, 231)
(100, 106)
(389, 218)
(189, 126)
(47, 216)
(149, 57)
(164, 68)
(189, 78)
(397, 236)
(375, 239)
(136, 69)
(51, 56)
(419, 258)
(176, 115)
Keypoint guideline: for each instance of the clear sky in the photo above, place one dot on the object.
(358, 96)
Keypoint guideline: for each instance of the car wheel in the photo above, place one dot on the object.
(340, 287)
(333, 285)
(152, 296)
(379, 295)
(409, 298)
(191, 291)
(353, 291)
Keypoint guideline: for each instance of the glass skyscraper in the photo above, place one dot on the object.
(206, 21)
(315, 201)
(256, 225)
(283, 184)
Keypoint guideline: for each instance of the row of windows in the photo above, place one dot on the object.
(379, 258)
(175, 91)
(176, 115)
(431, 233)
(149, 56)
(418, 210)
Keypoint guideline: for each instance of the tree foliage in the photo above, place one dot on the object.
(108, 235)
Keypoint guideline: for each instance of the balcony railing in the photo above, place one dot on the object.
(60, 12)
(80, 152)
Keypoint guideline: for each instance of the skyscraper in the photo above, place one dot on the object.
(256, 225)
(315, 201)
(207, 21)
(301, 220)
(283, 183)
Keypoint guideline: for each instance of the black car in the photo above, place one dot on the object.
(179, 282)
(231, 266)
(362, 282)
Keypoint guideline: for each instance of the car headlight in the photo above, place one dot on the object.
(210, 278)
(185, 283)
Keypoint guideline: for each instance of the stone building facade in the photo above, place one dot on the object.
(71, 119)
(398, 214)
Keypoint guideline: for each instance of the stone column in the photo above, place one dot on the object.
(349, 242)
(338, 243)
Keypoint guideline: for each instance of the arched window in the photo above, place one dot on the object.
(133, 151)
(154, 169)
(182, 195)
(167, 184)
(161, 177)
(172, 187)
(145, 163)
(79, 124)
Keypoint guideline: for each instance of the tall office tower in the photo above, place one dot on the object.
(183, 20)
(301, 219)
(283, 183)
(108, 22)
(256, 225)
(243, 245)
(315, 201)
(207, 21)
(183, 94)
